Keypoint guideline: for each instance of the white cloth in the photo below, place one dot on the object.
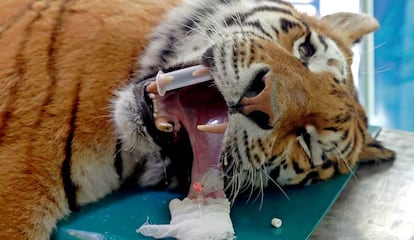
(194, 219)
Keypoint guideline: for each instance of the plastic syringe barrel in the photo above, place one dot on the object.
(180, 78)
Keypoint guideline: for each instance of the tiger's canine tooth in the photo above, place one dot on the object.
(163, 125)
(213, 128)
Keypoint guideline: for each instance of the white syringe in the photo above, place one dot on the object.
(181, 78)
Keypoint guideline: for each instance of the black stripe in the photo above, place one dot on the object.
(234, 19)
(359, 139)
(354, 145)
(339, 93)
(21, 70)
(257, 25)
(310, 176)
(307, 139)
(68, 185)
(286, 24)
(168, 51)
(194, 20)
(305, 63)
(235, 58)
(19, 66)
(347, 146)
(342, 118)
(362, 131)
(336, 167)
(308, 43)
(272, 159)
(118, 159)
(240, 18)
(246, 144)
(300, 131)
(16, 18)
(275, 173)
(208, 58)
(323, 42)
(261, 146)
(327, 164)
(225, 1)
(236, 70)
(333, 129)
(248, 33)
(345, 135)
(275, 30)
(296, 167)
(308, 30)
(51, 61)
(268, 9)
(222, 59)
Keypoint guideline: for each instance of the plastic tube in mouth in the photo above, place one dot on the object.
(181, 78)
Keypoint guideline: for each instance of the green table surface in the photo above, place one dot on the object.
(117, 216)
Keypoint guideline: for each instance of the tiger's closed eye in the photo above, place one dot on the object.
(306, 50)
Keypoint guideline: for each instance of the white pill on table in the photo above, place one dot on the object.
(276, 222)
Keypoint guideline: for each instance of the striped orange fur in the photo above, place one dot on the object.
(60, 62)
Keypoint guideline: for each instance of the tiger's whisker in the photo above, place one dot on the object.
(343, 160)
(276, 184)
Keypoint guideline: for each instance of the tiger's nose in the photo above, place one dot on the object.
(257, 105)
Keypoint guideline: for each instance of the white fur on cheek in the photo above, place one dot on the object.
(129, 124)
(137, 144)
(123, 106)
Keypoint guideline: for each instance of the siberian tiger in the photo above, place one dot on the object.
(79, 119)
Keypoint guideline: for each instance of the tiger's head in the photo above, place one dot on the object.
(293, 112)
(286, 83)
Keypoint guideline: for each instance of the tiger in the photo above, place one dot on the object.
(80, 117)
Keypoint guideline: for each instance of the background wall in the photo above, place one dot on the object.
(394, 65)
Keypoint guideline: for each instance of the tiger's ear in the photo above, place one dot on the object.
(350, 26)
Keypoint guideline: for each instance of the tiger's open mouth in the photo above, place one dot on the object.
(189, 109)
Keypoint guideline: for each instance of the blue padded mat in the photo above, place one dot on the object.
(119, 215)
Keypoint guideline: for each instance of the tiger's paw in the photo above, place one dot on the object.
(375, 152)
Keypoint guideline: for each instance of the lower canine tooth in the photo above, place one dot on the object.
(162, 124)
(214, 128)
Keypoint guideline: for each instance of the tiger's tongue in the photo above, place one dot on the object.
(193, 106)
